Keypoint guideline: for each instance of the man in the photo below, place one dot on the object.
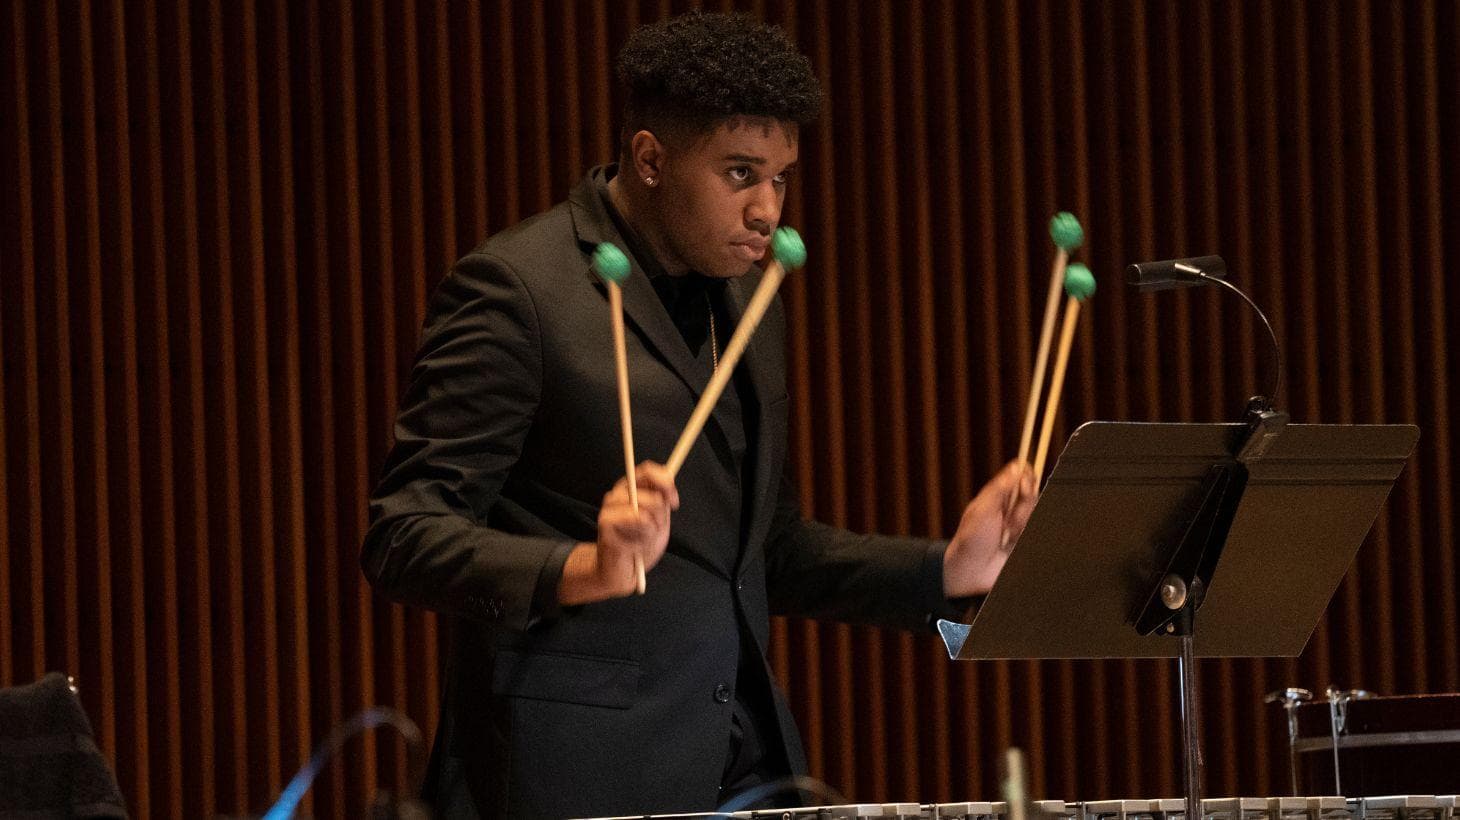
(567, 694)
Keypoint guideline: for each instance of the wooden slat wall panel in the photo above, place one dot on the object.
(219, 223)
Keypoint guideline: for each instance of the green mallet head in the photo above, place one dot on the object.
(790, 251)
(1079, 282)
(1066, 232)
(610, 263)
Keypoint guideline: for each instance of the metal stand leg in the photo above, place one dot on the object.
(1191, 727)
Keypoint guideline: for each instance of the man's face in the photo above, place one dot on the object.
(722, 194)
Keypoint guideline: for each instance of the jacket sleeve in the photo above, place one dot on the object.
(475, 386)
(815, 570)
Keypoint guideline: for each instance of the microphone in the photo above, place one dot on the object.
(1175, 273)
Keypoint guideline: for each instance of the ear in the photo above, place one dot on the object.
(647, 154)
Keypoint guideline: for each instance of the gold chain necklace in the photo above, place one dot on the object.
(714, 342)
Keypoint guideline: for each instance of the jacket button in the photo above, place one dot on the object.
(722, 694)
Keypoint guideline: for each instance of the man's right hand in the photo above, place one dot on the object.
(603, 570)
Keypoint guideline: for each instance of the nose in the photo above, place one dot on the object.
(763, 210)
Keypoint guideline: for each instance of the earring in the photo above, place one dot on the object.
(650, 181)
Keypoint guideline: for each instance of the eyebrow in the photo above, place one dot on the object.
(750, 159)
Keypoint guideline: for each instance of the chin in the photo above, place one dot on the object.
(736, 268)
(733, 269)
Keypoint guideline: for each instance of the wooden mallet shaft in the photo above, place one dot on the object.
(1065, 231)
(1061, 360)
(611, 264)
(789, 251)
(1080, 285)
(621, 365)
(1041, 359)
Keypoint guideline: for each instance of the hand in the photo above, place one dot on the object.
(976, 554)
(605, 569)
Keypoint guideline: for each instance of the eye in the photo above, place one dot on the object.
(784, 177)
(739, 173)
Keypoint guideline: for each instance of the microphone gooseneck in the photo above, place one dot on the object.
(1277, 351)
(1201, 270)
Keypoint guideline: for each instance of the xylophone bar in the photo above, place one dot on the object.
(1307, 808)
(1394, 807)
(1403, 807)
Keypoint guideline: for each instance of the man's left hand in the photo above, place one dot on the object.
(977, 552)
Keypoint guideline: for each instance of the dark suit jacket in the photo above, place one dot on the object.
(507, 439)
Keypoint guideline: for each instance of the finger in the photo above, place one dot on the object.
(615, 537)
(1027, 503)
(1000, 486)
(1029, 489)
(996, 565)
(1016, 485)
(653, 474)
(654, 516)
(618, 494)
(1018, 517)
(650, 497)
(618, 521)
(1016, 474)
(630, 534)
(662, 484)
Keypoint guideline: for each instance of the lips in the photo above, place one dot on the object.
(751, 250)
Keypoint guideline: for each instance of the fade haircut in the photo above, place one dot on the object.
(685, 76)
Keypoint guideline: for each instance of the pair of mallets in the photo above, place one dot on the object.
(1078, 285)
(610, 263)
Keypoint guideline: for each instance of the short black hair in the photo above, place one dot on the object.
(688, 74)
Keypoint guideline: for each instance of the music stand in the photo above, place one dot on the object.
(1142, 526)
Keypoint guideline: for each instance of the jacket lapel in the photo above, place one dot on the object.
(642, 309)
(737, 297)
(762, 361)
